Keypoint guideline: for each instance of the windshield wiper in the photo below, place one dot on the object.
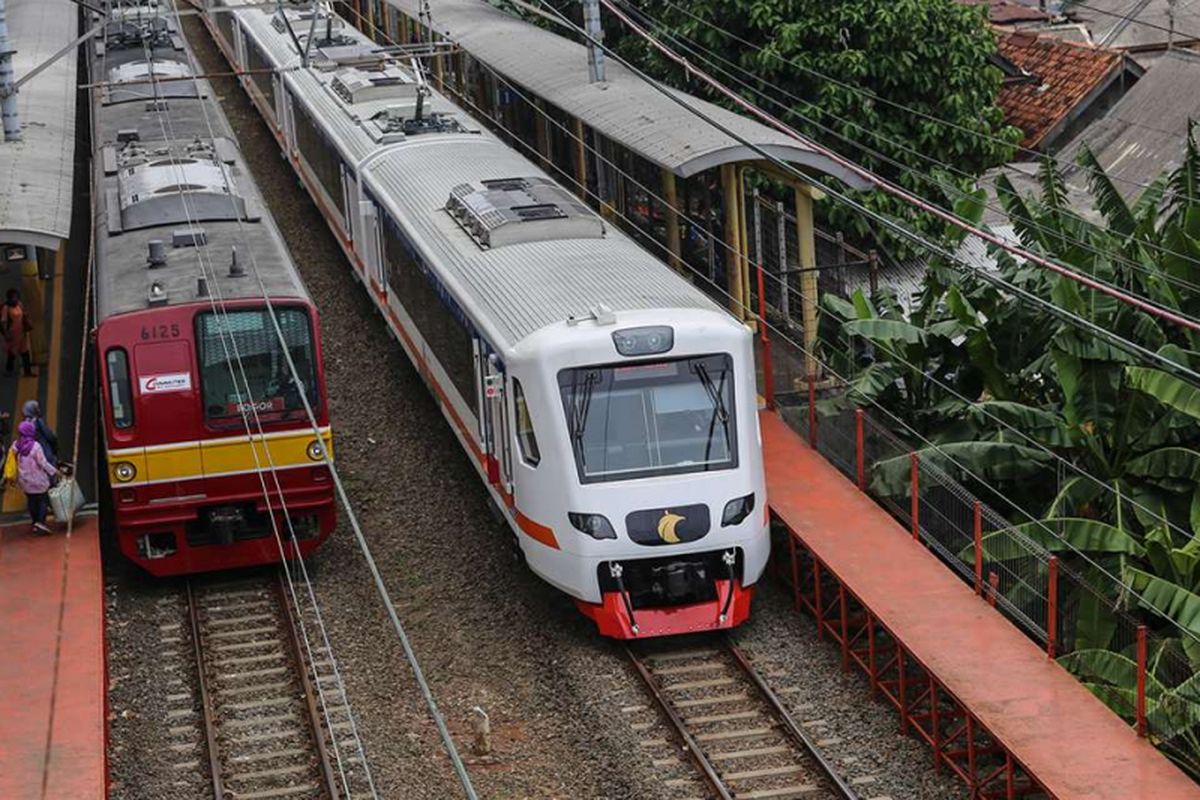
(716, 395)
(582, 398)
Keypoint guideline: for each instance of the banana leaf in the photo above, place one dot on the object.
(1167, 462)
(989, 461)
(1046, 426)
(1111, 668)
(866, 387)
(1169, 599)
(1166, 389)
(1108, 199)
(1056, 535)
(1073, 496)
(886, 332)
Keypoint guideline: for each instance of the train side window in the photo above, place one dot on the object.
(120, 394)
(525, 436)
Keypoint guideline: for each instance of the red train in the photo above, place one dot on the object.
(206, 429)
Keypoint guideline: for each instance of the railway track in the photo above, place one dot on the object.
(740, 736)
(263, 718)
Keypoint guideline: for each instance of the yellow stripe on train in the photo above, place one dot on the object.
(233, 455)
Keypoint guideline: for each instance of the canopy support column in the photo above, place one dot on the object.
(806, 244)
(733, 250)
(671, 197)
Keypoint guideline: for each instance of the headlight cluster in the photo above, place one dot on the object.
(124, 471)
(316, 450)
(596, 526)
(737, 510)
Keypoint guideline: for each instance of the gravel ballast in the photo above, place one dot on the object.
(488, 633)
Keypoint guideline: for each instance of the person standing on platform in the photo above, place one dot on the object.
(34, 475)
(16, 327)
(45, 437)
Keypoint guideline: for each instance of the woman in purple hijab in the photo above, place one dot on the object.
(34, 474)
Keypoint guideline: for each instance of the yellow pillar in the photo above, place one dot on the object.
(806, 242)
(744, 250)
(404, 37)
(733, 227)
(671, 196)
(371, 20)
(580, 160)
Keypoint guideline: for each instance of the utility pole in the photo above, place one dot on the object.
(8, 89)
(591, 24)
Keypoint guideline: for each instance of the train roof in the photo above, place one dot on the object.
(520, 253)
(174, 199)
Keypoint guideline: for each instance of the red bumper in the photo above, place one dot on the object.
(612, 619)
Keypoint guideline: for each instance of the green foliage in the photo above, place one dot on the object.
(931, 57)
(1011, 394)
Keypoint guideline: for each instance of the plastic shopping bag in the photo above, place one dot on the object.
(65, 499)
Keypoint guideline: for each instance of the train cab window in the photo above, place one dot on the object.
(120, 394)
(526, 439)
(243, 368)
(651, 418)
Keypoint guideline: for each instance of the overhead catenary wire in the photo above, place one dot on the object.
(923, 440)
(891, 188)
(219, 310)
(877, 98)
(381, 587)
(919, 437)
(1082, 473)
(725, 66)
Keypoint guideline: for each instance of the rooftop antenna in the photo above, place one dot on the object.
(312, 30)
(8, 88)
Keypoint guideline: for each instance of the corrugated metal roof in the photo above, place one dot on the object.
(36, 173)
(1136, 23)
(523, 287)
(624, 108)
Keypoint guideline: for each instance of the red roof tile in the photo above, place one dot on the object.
(1064, 75)
(1002, 12)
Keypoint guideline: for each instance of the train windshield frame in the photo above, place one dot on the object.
(246, 334)
(651, 418)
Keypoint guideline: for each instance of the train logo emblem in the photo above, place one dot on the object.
(175, 382)
(667, 525)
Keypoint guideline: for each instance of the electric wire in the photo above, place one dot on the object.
(782, 283)
(877, 98)
(924, 440)
(217, 306)
(726, 67)
(380, 586)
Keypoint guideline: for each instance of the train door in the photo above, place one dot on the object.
(494, 422)
(167, 404)
(372, 242)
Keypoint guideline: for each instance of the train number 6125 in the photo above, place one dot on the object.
(160, 331)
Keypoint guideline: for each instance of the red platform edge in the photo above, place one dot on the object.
(996, 711)
(53, 721)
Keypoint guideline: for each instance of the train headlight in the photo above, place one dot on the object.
(737, 510)
(596, 526)
(644, 341)
(316, 450)
(124, 471)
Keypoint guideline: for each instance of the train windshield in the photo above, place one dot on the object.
(243, 369)
(651, 418)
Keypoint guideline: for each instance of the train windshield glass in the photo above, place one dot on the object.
(651, 418)
(240, 348)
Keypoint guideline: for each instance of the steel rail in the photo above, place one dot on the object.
(210, 721)
(690, 744)
(790, 726)
(786, 723)
(310, 698)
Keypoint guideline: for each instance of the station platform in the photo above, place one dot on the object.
(52, 664)
(1008, 719)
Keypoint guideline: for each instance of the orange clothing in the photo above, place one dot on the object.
(15, 325)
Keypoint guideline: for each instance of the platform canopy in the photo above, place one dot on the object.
(36, 173)
(624, 108)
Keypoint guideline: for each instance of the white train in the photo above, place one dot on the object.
(608, 404)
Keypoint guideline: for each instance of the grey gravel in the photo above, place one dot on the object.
(567, 715)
